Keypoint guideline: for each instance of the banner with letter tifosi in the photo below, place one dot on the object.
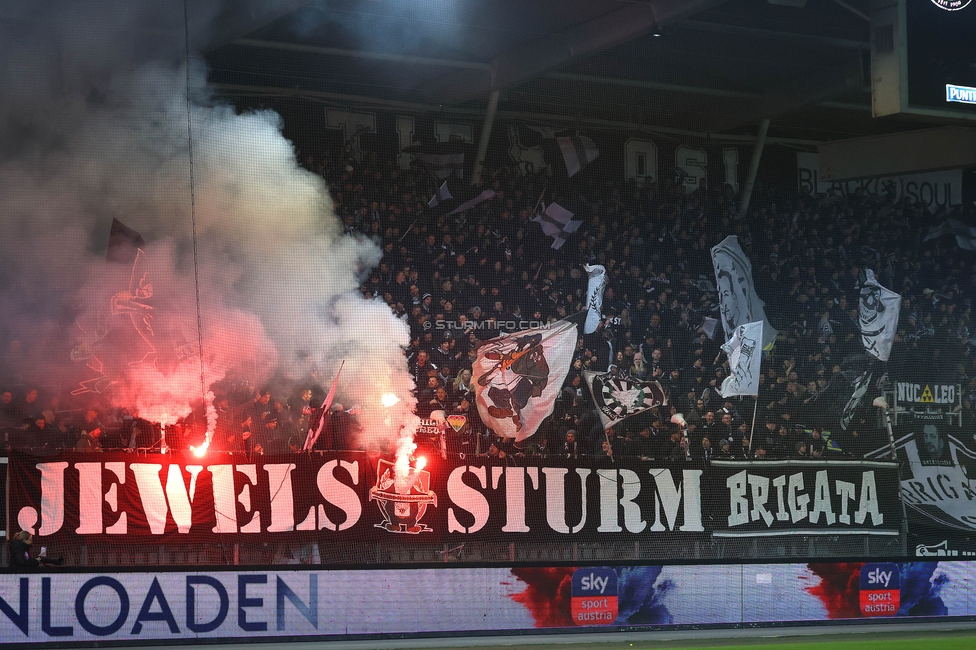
(344, 499)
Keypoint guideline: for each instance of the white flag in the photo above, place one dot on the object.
(736, 291)
(595, 287)
(557, 222)
(518, 377)
(745, 356)
(878, 317)
(467, 205)
(618, 398)
(577, 152)
(965, 235)
(709, 325)
(443, 194)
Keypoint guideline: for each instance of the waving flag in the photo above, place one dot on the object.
(618, 398)
(517, 378)
(736, 292)
(444, 165)
(467, 205)
(578, 152)
(965, 235)
(318, 423)
(124, 243)
(878, 317)
(443, 194)
(557, 222)
(745, 356)
(595, 287)
(846, 389)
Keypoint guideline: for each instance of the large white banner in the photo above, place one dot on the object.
(736, 292)
(878, 317)
(518, 377)
(931, 189)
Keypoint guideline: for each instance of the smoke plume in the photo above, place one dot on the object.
(94, 125)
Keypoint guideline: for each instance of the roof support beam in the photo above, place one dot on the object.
(771, 34)
(583, 40)
(813, 88)
(236, 19)
(365, 102)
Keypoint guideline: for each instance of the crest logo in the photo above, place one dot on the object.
(618, 397)
(457, 422)
(951, 5)
(402, 500)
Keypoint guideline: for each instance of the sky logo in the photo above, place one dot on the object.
(594, 600)
(880, 589)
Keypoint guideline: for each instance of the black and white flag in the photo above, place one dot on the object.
(443, 194)
(595, 286)
(736, 291)
(557, 222)
(965, 235)
(878, 317)
(745, 358)
(618, 398)
(517, 378)
(847, 388)
(444, 165)
(578, 152)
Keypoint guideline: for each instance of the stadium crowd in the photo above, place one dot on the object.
(458, 280)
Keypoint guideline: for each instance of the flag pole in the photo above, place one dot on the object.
(535, 211)
(410, 227)
(609, 446)
(755, 407)
(310, 439)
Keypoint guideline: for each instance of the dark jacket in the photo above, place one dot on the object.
(20, 557)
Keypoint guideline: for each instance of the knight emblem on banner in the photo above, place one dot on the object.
(517, 378)
(402, 500)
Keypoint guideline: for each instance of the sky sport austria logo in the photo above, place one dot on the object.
(880, 589)
(594, 599)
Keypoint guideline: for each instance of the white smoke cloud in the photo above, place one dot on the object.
(103, 134)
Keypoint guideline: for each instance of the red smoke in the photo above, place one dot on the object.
(548, 594)
(839, 588)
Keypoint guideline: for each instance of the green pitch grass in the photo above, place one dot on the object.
(936, 640)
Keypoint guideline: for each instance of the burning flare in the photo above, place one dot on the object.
(389, 399)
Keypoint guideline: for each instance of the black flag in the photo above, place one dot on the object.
(123, 243)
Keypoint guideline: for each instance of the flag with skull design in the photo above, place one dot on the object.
(878, 316)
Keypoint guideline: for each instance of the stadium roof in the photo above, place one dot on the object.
(688, 66)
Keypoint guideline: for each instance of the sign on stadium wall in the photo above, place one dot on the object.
(351, 498)
(94, 608)
(931, 189)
